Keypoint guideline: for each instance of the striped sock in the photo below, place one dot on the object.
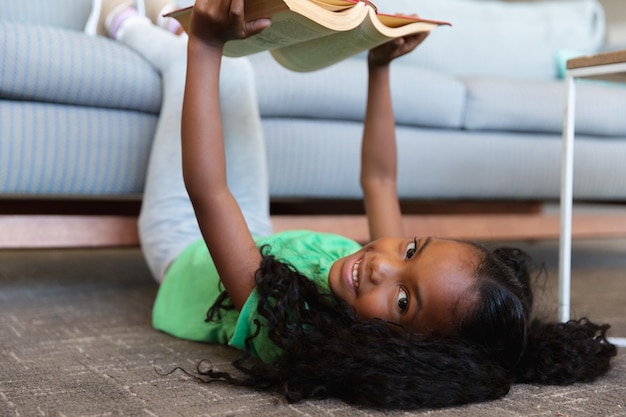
(117, 18)
(169, 23)
(172, 26)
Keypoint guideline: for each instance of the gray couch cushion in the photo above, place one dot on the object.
(69, 14)
(421, 96)
(537, 106)
(321, 160)
(54, 149)
(506, 39)
(44, 63)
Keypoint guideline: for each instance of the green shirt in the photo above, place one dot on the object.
(191, 286)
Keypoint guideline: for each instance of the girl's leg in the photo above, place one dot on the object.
(167, 223)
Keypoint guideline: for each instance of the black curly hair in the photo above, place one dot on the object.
(329, 352)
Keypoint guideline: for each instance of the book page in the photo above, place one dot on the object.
(335, 14)
(339, 20)
(323, 52)
(396, 26)
(397, 20)
(335, 5)
(287, 28)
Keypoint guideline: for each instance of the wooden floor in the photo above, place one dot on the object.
(41, 231)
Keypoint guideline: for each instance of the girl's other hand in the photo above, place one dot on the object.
(385, 53)
(216, 21)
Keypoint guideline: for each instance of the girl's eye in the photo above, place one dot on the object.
(403, 300)
(410, 250)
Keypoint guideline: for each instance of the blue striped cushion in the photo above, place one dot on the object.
(537, 106)
(307, 158)
(70, 14)
(48, 149)
(421, 97)
(43, 63)
(517, 39)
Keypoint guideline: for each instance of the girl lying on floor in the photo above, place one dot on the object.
(397, 323)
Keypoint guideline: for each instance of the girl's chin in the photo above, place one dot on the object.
(339, 279)
(334, 277)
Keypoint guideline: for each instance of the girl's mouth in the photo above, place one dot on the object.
(355, 274)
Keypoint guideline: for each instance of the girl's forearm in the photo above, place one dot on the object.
(378, 153)
(379, 158)
(204, 165)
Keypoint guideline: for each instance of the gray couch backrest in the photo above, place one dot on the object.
(69, 14)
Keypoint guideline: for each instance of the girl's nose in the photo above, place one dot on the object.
(381, 268)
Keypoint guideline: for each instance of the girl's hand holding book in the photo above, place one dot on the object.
(385, 53)
(216, 21)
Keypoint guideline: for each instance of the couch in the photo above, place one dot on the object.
(479, 109)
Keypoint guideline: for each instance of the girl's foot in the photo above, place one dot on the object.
(107, 15)
(155, 9)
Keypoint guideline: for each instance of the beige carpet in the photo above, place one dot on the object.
(75, 340)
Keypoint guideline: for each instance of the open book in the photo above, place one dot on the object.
(307, 35)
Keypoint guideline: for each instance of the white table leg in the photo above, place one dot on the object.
(618, 341)
(567, 180)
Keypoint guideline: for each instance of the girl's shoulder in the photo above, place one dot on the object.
(303, 241)
(310, 253)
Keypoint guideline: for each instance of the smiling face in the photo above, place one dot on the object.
(423, 284)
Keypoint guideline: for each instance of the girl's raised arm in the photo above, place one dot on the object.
(221, 221)
(378, 149)
(378, 158)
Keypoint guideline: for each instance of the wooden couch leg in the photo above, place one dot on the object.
(47, 231)
(58, 231)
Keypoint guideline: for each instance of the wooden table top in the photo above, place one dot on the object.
(605, 58)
